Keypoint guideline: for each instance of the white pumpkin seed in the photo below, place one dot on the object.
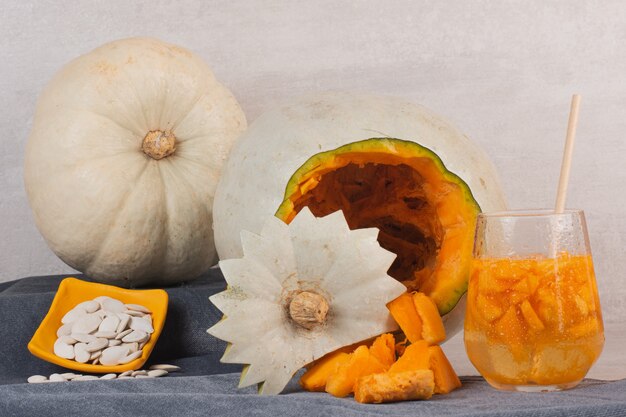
(142, 344)
(132, 347)
(108, 376)
(80, 353)
(135, 336)
(124, 320)
(112, 355)
(63, 350)
(95, 355)
(68, 340)
(69, 375)
(131, 357)
(37, 379)
(137, 307)
(109, 324)
(87, 324)
(114, 342)
(134, 313)
(124, 333)
(140, 323)
(157, 372)
(57, 378)
(139, 372)
(85, 378)
(96, 345)
(73, 315)
(106, 335)
(126, 373)
(84, 337)
(88, 306)
(165, 367)
(64, 330)
(112, 305)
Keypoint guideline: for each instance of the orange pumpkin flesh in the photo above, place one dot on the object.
(415, 357)
(426, 214)
(433, 330)
(384, 350)
(316, 377)
(446, 379)
(361, 363)
(403, 311)
(388, 387)
(374, 375)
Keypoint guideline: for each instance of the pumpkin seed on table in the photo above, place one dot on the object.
(155, 371)
(101, 331)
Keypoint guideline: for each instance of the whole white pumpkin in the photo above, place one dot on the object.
(127, 146)
(279, 142)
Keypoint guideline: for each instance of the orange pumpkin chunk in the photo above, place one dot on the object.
(388, 387)
(403, 311)
(446, 379)
(384, 349)
(416, 356)
(432, 325)
(361, 363)
(314, 379)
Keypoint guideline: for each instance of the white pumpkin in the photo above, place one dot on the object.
(279, 142)
(127, 146)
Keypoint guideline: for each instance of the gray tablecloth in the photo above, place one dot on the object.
(208, 388)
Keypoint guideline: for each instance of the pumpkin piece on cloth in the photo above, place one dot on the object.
(291, 299)
(121, 167)
(389, 387)
(403, 311)
(433, 330)
(361, 363)
(446, 380)
(316, 376)
(416, 356)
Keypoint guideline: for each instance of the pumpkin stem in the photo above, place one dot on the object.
(308, 309)
(158, 144)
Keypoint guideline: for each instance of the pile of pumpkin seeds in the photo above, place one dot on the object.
(104, 331)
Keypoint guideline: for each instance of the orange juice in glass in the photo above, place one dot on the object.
(533, 319)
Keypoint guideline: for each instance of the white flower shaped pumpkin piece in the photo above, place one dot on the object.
(299, 292)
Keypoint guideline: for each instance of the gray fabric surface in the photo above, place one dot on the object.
(208, 388)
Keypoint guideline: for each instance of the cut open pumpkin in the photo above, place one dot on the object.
(425, 213)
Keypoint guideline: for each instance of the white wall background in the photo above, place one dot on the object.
(503, 72)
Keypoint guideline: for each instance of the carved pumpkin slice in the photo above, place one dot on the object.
(425, 213)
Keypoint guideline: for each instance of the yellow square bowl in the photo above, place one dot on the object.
(73, 291)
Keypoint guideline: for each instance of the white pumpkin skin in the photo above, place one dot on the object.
(280, 141)
(104, 206)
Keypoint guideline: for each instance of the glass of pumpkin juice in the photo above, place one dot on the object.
(533, 319)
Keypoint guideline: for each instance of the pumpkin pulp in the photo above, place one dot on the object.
(425, 213)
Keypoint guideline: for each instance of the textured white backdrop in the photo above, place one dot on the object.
(503, 72)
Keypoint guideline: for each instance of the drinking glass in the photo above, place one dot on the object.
(533, 319)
